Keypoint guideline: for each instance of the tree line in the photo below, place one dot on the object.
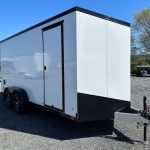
(140, 39)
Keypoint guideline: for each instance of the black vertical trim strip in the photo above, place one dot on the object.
(43, 66)
(62, 59)
(63, 73)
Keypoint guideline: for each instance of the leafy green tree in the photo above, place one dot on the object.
(134, 48)
(141, 30)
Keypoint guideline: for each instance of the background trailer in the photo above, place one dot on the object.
(76, 63)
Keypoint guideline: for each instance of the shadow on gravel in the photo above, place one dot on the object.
(120, 137)
(46, 124)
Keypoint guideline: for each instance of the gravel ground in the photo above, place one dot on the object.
(40, 130)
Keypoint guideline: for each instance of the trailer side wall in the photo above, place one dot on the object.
(103, 57)
(22, 63)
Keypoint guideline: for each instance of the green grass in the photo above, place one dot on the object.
(139, 62)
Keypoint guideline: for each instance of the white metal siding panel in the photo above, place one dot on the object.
(103, 57)
(29, 44)
(91, 55)
(18, 60)
(70, 60)
(118, 61)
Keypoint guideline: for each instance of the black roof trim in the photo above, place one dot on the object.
(68, 12)
(103, 16)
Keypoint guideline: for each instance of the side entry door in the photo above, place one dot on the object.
(54, 65)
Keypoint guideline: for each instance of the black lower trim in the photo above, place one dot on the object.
(53, 108)
(92, 108)
(54, 111)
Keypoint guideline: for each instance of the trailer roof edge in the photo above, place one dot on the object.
(76, 8)
(102, 16)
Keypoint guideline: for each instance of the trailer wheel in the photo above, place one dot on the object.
(142, 73)
(19, 103)
(8, 98)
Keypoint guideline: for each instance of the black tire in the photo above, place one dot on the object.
(141, 74)
(18, 103)
(8, 98)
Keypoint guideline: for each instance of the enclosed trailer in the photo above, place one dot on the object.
(76, 64)
(143, 71)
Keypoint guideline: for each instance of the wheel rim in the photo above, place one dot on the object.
(7, 98)
(16, 102)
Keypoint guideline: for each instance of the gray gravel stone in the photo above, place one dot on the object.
(41, 130)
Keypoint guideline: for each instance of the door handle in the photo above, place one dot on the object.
(44, 68)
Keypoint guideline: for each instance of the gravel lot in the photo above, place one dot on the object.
(40, 130)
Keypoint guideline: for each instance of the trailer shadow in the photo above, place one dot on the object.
(46, 124)
(121, 137)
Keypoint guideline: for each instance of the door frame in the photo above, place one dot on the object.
(62, 59)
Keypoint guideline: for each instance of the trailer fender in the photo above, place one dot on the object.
(20, 100)
(23, 100)
(18, 90)
(10, 90)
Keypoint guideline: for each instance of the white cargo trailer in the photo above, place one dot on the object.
(76, 63)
